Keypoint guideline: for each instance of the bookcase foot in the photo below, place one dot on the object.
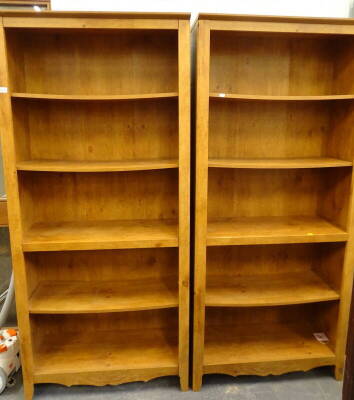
(338, 373)
(184, 384)
(197, 382)
(28, 388)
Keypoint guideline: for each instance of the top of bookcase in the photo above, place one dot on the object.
(279, 24)
(92, 20)
(275, 18)
(95, 14)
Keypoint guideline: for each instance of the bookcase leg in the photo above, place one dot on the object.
(197, 381)
(28, 388)
(184, 383)
(338, 372)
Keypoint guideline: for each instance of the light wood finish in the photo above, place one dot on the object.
(3, 213)
(258, 349)
(268, 290)
(120, 354)
(201, 190)
(96, 141)
(274, 214)
(129, 348)
(103, 132)
(248, 97)
(93, 97)
(101, 235)
(95, 166)
(68, 297)
(184, 107)
(151, 72)
(269, 340)
(15, 224)
(278, 163)
(263, 230)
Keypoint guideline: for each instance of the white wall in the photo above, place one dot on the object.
(317, 8)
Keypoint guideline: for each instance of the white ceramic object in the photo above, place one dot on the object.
(9, 356)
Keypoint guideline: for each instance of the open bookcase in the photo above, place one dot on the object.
(274, 216)
(95, 127)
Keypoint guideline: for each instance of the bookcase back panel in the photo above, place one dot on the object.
(59, 325)
(340, 142)
(96, 342)
(305, 314)
(65, 197)
(102, 266)
(234, 261)
(93, 62)
(254, 193)
(279, 64)
(95, 131)
(266, 333)
(263, 129)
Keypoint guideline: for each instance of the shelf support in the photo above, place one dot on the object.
(346, 290)
(184, 197)
(201, 179)
(15, 225)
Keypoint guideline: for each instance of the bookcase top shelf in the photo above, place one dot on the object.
(96, 166)
(96, 14)
(93, 97)
(249, 97)
(273, 18)
(278, 163)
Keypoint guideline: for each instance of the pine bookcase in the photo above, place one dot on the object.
(274, 212)
(95, 111)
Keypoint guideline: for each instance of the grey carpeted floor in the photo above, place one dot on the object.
(318, 384)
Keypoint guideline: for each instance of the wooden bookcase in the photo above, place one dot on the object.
(95, 128)
(274, 194)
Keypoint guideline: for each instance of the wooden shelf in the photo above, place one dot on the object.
(85, 97)
(267, 290)
(267, 230)
(263, 349)
(70, 297)
(278, 163)
(111, 351)
(95, 166)
(101, 235)
(105, 251)
(247, 97)
(274, 172)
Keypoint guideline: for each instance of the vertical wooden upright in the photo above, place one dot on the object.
(15, 227)
(274, 194)
(96, 143)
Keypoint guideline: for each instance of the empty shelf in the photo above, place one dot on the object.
(95, 166)
(278, 163)
(93, 97)
(70, 297)
(264, 230)
(101, 235)
(257, 348)
(268, 290)
(255, 97)
(108, 352)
